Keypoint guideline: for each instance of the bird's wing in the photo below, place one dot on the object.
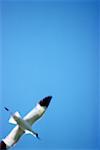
(34, 115)
(13, 136)
(38, 111)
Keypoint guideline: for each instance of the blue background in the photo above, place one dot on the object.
(51, 48)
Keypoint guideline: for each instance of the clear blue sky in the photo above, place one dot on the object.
(51, 48)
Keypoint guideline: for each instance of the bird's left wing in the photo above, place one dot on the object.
(13, 137)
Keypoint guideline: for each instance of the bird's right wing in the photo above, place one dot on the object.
(38, 111)
(35, 114)
(14, 136)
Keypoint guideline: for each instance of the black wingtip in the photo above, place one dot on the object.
(45, 102)
(2, 146)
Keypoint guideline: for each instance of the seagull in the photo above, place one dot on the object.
(24, 125)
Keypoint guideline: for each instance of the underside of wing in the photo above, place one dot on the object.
(38, 111)
(14, 136)
(35, 114)
(19, 132)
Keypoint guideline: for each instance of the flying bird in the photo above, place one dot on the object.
(24, 125)
(6, 108)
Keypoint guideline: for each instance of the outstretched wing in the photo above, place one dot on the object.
(14, 136)
(38, 111)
